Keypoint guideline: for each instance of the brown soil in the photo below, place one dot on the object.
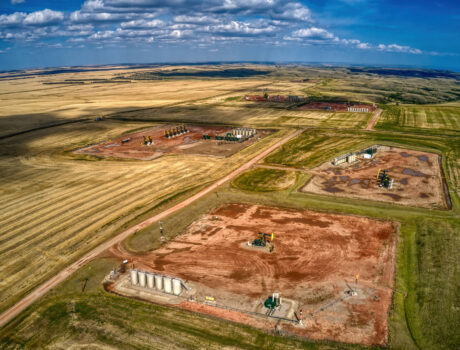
(316, 258)
(189, 143)
(417, 178)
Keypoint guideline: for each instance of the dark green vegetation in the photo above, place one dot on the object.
(199, 73)
(384, 89)
(265, 180)
(414, 73)
(438, 283)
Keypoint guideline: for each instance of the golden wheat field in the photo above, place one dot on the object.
(55, 205)
(40, 100)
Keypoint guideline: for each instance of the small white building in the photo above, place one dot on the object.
(351, 158)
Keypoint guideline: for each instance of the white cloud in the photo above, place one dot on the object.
(92, 5)
(363, 46)
(56, 46)
(142, 23)
(226, 21)
(15, 2)
(196, 19)
(94, 17)
(181, 34)
(247, 4)
(291, 11)
(398, 48)
(241, 28)
(313, 33)
(12, 20)
(44, 17)
(39, 18)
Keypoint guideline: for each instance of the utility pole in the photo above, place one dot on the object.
(163, 238)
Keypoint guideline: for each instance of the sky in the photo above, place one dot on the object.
(54, 33)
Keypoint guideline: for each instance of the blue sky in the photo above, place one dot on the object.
(46, 33)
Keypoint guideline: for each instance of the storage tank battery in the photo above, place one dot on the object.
(141, 275)
(159, 282)
(133, 277)
(150, 279)
(177, 287)
(167, 282)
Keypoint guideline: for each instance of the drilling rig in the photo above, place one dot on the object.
(384, 180)
(264, 240)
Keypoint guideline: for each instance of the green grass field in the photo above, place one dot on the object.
(265, 180)
(438, 282)
(410, 117)
(314, 147)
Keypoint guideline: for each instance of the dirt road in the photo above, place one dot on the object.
(60, 277)
(279, 167)
(370, 125)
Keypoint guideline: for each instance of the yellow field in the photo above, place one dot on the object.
(254, 113)
(54, 207)
(29, 103)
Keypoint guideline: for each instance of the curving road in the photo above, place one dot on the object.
(9, 314)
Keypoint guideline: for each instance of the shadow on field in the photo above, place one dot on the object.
(206, 113)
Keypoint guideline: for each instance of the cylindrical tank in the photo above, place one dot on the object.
(150, 278)
(177, 287)
(133, 277)
(141, 275)
(167, 282)
(159, 282)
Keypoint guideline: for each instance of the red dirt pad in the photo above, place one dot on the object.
(188, 143)
(316, 259)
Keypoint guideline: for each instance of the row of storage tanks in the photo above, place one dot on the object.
(162, 283)
(244, 131)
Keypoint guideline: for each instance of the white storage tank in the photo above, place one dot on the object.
(141, 275)
(167, 282)
(133, 277)
(159, 282)
(150, 278)
(177, 288)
